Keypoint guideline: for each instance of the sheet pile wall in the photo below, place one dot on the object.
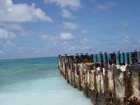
(104, 82)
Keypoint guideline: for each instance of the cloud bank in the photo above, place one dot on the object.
(19, 13)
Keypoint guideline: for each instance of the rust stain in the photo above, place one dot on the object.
(139, 80)
(106, 81)
(128, 84)
(95, 89)
(133, 101)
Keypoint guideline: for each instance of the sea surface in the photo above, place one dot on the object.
(36, 82)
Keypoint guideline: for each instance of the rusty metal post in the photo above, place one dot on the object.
(87, 58)
(134, 57)
(139, 79)
(128, 59)
(128, 86)
(139, 57)
(65, 54)
(76, 58)
(65, 63)
(110, 63)
(91, 58)
(96, 56)
(106, 59)
(119, 57)
(112, 59)
(123, 57)
(81, 58)
(101, 59)
(58, 60)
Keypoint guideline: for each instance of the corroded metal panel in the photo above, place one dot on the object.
(113, 83)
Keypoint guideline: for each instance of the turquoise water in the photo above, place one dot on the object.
(36, 82)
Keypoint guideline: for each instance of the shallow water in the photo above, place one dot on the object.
(36, 82)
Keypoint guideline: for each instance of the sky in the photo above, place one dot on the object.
(47, 28)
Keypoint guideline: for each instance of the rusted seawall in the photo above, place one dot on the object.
(107, 79)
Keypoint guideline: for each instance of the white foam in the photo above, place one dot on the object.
(47, 91)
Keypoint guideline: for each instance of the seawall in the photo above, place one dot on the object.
(107, 79)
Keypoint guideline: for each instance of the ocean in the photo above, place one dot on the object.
(36, 82)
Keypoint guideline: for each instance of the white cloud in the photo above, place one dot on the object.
(126, 39)
(4, 34)
(69, 25)
(48, 37)
(66, 36)
(86, 48)
(85, 41)
(1, 52)
(61, 43)
(125, 25)
(84, 31)
(71, 48)
(12, 26)
(26, 33)
(106, 6)
(18, 13)
(8, 44)
(62, 36)
(74, 4)
(66, 14)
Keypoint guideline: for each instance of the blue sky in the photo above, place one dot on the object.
(45, 28)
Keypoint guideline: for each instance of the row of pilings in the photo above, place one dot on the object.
(107, 79)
